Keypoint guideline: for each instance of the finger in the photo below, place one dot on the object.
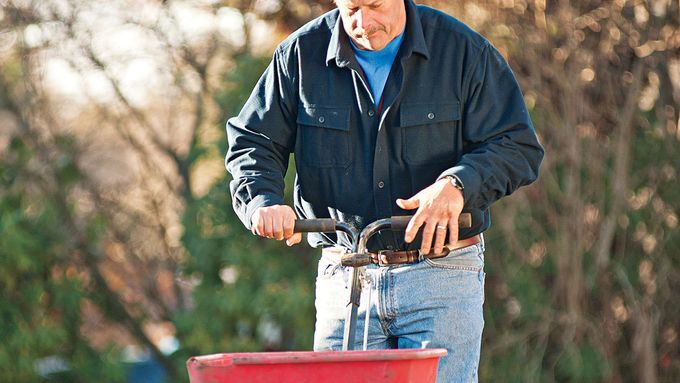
(258, 224)
(268, 226)
(296, 238)
(413, 227)
(408, 204)
(428, 234)
(277, 227)
(289, 226)
(440, 237)
(453, 230)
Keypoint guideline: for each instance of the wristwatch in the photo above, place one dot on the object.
(455, 181)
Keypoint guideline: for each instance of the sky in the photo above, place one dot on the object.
(121, 35)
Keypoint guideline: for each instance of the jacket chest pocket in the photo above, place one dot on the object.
(430, 132)
(325, 135)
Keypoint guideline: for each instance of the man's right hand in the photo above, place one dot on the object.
(276, 222)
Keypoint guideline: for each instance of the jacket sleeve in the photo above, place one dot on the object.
(260, 140)
(501, 150)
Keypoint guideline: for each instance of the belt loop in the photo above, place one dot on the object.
(380, 258)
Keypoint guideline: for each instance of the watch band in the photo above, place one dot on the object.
(455, 181)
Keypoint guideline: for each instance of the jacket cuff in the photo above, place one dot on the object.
(467, 176)
(257, 202)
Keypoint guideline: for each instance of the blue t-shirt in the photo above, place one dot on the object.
(377, 65)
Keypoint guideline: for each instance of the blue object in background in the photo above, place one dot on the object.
(147, 371)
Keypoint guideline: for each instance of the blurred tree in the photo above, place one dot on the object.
(116, 226)
(43, 258)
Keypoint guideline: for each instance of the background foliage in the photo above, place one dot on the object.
(117, 234)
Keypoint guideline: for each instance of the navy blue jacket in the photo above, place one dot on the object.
(451, 106)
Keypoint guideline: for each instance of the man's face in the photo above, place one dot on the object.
(372, 24)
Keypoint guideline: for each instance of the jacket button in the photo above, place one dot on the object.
(381, 184)
(321, 119)
(430, 116)
(371, 113)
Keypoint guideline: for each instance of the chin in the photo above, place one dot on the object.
(371, 44)
(378, 45)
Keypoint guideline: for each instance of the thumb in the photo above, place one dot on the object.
(296, 238)
(409, 204)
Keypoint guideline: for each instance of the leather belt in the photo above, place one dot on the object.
(388, 257)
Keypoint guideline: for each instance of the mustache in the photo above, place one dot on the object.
(361, 32)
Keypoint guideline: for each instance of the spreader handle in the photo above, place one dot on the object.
(319, 225)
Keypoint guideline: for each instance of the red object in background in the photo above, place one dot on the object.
(393, 366)
(666, 360)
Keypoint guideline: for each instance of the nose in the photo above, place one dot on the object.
(358, 18)
(361, 19)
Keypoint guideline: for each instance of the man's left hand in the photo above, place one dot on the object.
(439, 206)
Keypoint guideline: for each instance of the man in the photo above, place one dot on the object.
(390, 109)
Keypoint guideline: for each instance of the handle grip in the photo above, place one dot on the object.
(399, 222)
(319, 225)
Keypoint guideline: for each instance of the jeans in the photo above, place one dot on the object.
(430, 304)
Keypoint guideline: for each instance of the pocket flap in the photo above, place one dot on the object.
(324, 116)
(423, 114)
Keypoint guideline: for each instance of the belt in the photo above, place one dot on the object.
(388, 257)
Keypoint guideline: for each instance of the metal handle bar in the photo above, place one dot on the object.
(359, 241)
